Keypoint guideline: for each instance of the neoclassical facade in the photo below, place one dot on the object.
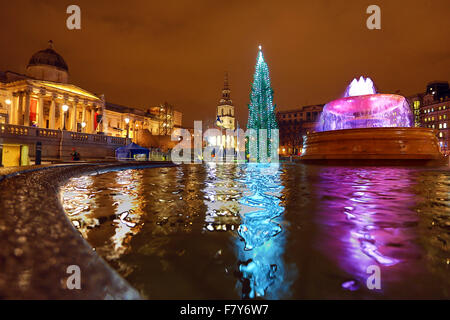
(43, 97)
(125, 121)
(41, 112)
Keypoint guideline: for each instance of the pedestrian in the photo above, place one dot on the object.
(75, 155)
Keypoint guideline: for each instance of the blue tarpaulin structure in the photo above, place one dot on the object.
(132, 152)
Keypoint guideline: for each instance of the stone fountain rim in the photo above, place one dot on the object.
(31, 269)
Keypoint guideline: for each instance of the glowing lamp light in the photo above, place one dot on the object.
(8, 101)
(83, 124)
(127, 120)
(65, 107)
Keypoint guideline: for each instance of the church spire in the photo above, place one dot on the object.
(225, 82)
(226, 99)
(225, 110)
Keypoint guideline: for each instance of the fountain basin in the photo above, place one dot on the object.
(366, 111)
(391, 143)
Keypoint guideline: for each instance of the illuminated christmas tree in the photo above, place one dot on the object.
(261, 113)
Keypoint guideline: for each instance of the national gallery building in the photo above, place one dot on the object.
(43, 106)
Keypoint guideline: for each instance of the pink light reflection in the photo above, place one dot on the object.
(365, 219)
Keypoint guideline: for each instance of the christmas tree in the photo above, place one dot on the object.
(261, 115)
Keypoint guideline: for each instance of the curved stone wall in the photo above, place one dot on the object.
(39, 242)
(373, 143)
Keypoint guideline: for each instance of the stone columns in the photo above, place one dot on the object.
(92, 120)
(40, 110)
(83, 118)
(13, 119)
(87, 119)
(62, 116)
(103, 124)
(73, 119)
(19, 117)
(26, 113)
(51, 114)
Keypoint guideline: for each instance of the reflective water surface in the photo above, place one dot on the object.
(287, 231)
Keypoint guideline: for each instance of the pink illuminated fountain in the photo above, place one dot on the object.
(366, 125)
(362, 107)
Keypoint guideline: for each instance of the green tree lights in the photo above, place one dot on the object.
(262, 126)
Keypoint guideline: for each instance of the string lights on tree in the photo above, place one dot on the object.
(261, 113)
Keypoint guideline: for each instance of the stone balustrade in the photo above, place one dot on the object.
(48, 133)
(58, 144)
(14, 130)
(10, 130)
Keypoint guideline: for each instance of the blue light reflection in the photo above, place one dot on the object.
(261, 247)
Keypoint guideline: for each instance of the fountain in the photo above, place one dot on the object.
(366, 125)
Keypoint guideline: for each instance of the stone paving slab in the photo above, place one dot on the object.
(38, 242)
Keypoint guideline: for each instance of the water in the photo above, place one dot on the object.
(362, 107)
(291, 231)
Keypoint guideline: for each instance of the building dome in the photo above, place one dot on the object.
(48, 65)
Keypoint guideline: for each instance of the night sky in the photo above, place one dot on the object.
(147, 52)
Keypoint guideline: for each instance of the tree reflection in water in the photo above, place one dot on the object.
(261, 249)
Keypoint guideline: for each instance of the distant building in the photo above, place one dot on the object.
(415, 103)
(294, 124)
(431, 110)
(225, 120)
(225, 109)
(38, 98)
(435, 111)
(43, 106)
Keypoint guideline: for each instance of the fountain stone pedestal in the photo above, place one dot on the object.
(389, 143)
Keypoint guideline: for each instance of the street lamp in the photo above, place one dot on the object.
(65, 107)
(127, 121)
(83, 125)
